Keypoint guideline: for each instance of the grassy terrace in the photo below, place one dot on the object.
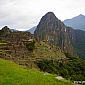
(13, 74)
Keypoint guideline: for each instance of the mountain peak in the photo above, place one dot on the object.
(51, 30)
(77, 22)
(82, 15)
(50, 13)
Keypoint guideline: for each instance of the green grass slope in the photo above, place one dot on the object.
(13, 74)
(28, 53)
(43, 50)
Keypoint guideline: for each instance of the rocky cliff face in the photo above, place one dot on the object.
(79, 43)
(50, 29)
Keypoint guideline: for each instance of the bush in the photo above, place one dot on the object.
(74, 69)
(30, 45)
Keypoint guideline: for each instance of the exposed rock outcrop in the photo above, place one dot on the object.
(50, 29)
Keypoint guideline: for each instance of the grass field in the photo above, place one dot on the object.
(13, 74)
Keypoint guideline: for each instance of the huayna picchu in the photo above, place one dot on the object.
(50, 29)
(53, 31)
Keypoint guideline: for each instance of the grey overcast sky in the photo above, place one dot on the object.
(24, 14)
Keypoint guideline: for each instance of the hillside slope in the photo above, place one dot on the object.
(80, 43)
(22, 48)
(13, 74)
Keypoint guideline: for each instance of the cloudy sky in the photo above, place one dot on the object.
(24, 14)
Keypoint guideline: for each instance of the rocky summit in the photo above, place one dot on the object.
(50, 29)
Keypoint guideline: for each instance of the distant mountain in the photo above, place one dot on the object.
(32, 29)
(77, 22)
(13, 30)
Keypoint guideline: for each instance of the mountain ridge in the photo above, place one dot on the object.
(76, 22)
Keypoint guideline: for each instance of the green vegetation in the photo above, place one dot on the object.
(30, 45)
(3, 42)
(45, 51)
(80, 43)
(13, 74)
(40, 55)
(73, 68)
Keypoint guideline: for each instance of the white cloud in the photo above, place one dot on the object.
(23, 14)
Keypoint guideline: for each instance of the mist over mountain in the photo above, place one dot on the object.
(77, 22)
